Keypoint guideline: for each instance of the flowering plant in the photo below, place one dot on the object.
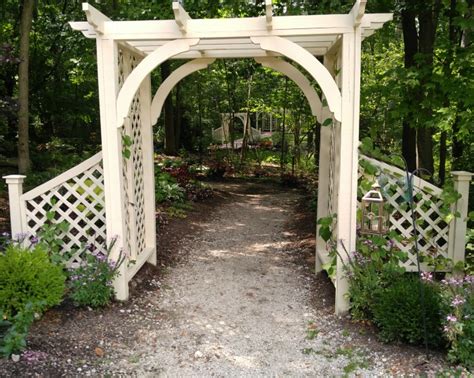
(371, 268)
(458, 293)
(91, 283)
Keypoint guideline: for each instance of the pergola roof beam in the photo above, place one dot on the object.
(94, 17)
(358, 11)
(180, 16)
(269, 14)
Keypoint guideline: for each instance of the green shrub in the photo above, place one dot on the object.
(27, 275)
(399, 315)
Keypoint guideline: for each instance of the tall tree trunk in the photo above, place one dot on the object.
(442, 158)
(170, 143)
(247, 125)
(410, 39)
(24, 163)
(178, 119)
(427, 26)
(283, 128)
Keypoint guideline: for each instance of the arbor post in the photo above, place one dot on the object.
(15, 191)
(348, 167)
(107, 71)
(458, 226)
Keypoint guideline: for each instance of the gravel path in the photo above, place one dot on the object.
(239, 307)
(239, 300)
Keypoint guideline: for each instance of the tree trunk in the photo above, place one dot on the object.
(178, 119)
(283, 126)
(427, 27)
(170, 143)
(442, 158)
(410, 39)
(24, 163)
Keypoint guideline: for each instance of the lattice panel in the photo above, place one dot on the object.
(79, 201)
(133, 172)
(431, 227)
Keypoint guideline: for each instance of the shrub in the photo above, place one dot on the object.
(91, 283)
(374, 266)
(399, 314)
(27, 275)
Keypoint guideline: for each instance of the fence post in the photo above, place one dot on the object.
(15, 190)
(458, 226)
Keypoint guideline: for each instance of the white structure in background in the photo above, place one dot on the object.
(222, 133)
(110, 195)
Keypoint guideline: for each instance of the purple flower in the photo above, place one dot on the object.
(34, 240)
(458, 301)
(452, 281)
(451, 318)
(112, 264)
(469, 279)
(100, 256)
(427, 276)
(91, 247)
(390, 244)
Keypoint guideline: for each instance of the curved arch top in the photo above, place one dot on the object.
(301, 80)
(173, 79)
(133, 81)
(315, 68)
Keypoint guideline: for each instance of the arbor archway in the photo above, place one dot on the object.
(125, 99)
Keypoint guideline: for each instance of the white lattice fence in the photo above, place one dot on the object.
(133, 163)
(76, 197)
(433, 230)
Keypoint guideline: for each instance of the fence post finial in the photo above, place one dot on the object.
(458, 226)
(15, 190)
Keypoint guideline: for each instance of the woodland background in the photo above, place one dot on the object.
(417, 85)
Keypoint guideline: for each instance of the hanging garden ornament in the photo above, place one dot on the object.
(374, 217)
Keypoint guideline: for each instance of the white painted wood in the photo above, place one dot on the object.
(303, 83)
(348, 155)
(433, 231)
(311, 64)
(174, 78)
(180, 15)
(63, 177)
(133, 81)
(269, 14)
(145, 256)
(107, 58)
(458, 226)
(149, 170)
(358, 11)
(418, 182)
(241, 27)
(95, 18)
(15, 190)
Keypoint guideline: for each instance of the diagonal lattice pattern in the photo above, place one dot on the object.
(432, 228)
(133, 172)
(77, 199)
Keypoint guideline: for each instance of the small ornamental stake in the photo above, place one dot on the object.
(374, 219)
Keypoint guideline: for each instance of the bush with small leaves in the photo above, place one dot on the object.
(28, 275)
(399, 313)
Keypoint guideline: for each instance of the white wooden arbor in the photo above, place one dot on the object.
(128, 51)
(111, 195)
